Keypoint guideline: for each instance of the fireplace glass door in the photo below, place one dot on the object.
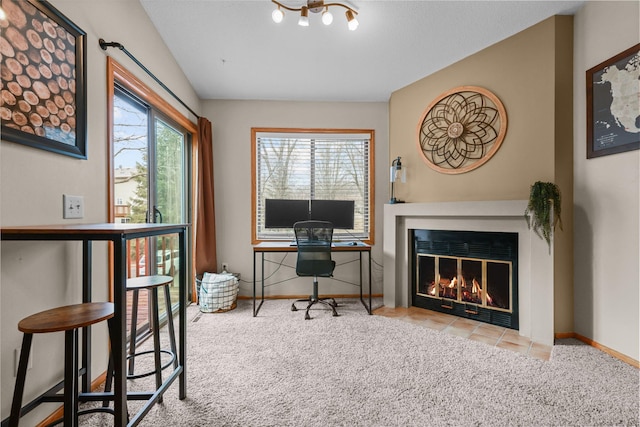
(463, 280)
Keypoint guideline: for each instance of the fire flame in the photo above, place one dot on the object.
(454, 282)
(476, 286)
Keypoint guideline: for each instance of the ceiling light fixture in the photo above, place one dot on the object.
(315, 6)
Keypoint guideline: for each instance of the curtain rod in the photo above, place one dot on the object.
(104, 45)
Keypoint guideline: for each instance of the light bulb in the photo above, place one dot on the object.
(352, 22)
(277, 15)
(327, 17)
(304, 17)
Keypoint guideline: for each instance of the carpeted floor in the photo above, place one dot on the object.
(358, 370)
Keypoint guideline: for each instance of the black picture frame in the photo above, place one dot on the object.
(43, 79)
(606, 131)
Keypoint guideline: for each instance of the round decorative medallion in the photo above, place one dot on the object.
(461, 129)
(455, 130)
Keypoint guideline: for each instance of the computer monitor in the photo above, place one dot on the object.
(338, 212)
(281, 213)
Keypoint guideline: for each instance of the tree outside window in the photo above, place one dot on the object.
(315, 165)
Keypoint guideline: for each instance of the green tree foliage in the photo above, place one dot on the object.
(139, 200)
(169, 181)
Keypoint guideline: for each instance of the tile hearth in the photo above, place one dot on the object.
(497, 336)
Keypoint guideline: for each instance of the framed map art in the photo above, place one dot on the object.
(613, 104)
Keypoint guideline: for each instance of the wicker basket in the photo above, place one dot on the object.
(217, 293)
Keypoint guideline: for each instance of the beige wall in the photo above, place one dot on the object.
(531, 74)
(563, 173)
(607, 194)
(232, 122)
(520, 72)
(36, 276)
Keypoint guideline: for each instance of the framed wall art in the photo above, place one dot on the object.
(461, 129)
(613, 104)
(43, 78)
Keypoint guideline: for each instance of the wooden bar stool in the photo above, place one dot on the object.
(151, 284)
(69, 319)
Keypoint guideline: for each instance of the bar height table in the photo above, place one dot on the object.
(119, 234)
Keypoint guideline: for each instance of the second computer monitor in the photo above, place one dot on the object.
(339, 212)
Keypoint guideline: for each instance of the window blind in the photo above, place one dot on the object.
(323, 166)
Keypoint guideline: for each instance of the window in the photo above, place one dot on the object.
(313, 164)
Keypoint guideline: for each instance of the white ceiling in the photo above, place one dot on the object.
(232, 49)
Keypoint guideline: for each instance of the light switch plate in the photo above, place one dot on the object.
(73, 206)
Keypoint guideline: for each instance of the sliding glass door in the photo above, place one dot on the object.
(150, 161)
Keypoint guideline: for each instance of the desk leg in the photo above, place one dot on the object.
(257, 309)
(118, 345)
(360, 271)
(370, 290)
(368, 308)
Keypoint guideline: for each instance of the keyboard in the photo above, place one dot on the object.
(339, 244)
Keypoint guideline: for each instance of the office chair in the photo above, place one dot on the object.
(314, 259)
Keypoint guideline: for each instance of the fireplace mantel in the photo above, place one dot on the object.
(535, 271)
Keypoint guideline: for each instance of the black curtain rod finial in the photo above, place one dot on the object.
(104, 45)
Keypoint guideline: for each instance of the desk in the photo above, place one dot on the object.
(266, 247)
(119, 234)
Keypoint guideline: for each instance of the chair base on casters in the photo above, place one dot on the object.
(313, 299)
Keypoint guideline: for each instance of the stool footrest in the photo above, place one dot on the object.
(84, 412)
(146, 374)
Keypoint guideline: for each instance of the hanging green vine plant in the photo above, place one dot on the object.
(543, 197)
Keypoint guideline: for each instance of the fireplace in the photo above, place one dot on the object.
(470, 274)
(535, 267)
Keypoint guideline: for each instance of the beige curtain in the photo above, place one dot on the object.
(205, 232)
